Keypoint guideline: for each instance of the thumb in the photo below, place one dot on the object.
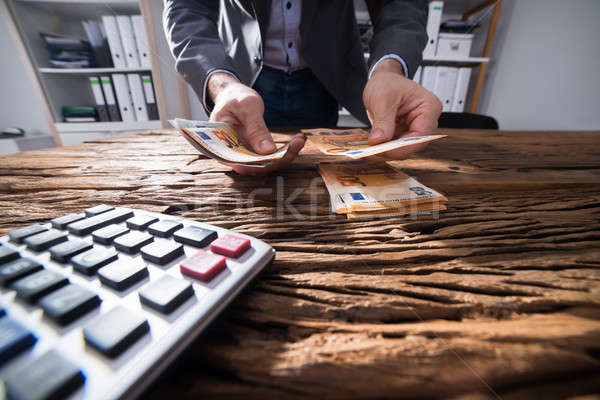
(384, 125)
(257, 134)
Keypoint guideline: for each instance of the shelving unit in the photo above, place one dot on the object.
(487, 50)
(465, 9)
(70, 87)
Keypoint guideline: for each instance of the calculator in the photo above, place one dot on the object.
(95, 305)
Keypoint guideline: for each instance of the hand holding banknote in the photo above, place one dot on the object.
(241, 105)
(398, 107)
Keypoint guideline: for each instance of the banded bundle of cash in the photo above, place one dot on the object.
(220, 141)
(366, 189)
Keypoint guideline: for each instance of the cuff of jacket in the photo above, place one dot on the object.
(207, 102)
(393, 57)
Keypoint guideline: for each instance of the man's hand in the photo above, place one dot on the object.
(239, 104)
(397, 107)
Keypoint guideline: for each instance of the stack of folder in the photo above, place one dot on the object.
(68, 51)
(124, 97)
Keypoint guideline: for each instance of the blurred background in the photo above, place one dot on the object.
(75, 71)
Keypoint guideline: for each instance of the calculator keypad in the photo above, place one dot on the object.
(113, 278)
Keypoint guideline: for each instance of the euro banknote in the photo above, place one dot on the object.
(353, 143)
(220, 141)
(378, 189)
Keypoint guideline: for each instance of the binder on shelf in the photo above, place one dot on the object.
(129, 48)
(141, 41)
(428, 78)
(109, 97)
(417, 77)
(101, 108)
(462, 87)
(137, 96)
(445, 82)
(114, 41)
(150, 99)
(123, 97)
(434, 19)
(97, 38)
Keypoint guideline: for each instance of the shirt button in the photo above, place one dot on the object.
(257, 59)
(290, 44)
(288, 5)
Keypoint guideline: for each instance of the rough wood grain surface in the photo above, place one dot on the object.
(498, 298)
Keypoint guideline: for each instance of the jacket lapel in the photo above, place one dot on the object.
(263, 12)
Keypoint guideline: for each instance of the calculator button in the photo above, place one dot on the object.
(166, 294)
(194, 236)
(164, 228)
(100, 209)
(88, 225)
(92, 260)
(162, 251)
(62, 252)
(20, 234)
(115, 331)
(62, 222)
(122, 274)
(203, 265)
(42, 241)
(49, 377)
(8, 254)
(69, 303)
(18, 269)
(32, 287)
(140, 222)
(109, 233)
(14, 338)
(230, 245)
(132, 242)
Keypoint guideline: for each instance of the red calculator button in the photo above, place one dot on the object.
(230, 245)
(203, 265)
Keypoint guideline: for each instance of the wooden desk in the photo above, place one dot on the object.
(500, 297)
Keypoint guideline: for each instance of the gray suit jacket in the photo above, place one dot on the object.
(205, 35)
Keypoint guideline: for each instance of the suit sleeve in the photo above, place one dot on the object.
(399, 27)
(191, 30)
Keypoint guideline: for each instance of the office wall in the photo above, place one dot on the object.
(545, 66)
(19, 105)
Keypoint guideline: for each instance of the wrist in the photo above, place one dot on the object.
(218, 82)
(389, 65)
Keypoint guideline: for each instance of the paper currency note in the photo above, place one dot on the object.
(220, 141)
(353, 143)
(363, 186)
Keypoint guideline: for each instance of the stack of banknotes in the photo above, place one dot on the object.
(357, 188)
(220, 141)
(364, 189)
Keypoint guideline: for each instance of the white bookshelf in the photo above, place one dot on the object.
(70, 86)
(464, 9)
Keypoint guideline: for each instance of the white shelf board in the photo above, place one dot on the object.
(87, 71)
(463, 60)
(66, 127)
